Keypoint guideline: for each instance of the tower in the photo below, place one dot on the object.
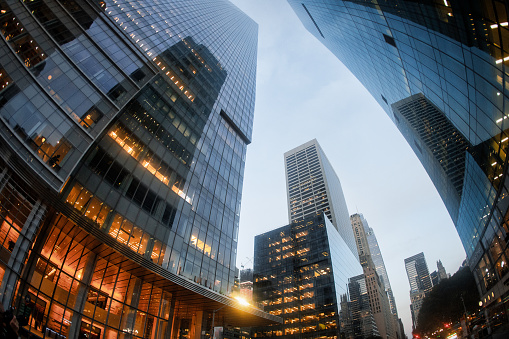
(378, 261)
(313, 187)
(420, 283)
(302, 273)
(438, 72)
(377, 292)
(123, 132)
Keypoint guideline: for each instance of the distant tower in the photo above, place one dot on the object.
(442, 274)
(378, 297)
(420, 283)
(378, 260)
(313, 187)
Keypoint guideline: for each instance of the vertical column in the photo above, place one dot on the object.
(135, 293)
(4, 177)
(15, 264)
(196, 324)
(81, 296)
(170, 333)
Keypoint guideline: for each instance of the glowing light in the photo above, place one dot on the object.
(242, 301)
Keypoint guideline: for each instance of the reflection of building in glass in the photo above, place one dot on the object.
(377, 295)
(420, 283)
(439, 73)
(123, 129)
(301, 274)
(363, 324)
(313, 187)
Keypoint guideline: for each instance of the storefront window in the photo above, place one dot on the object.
(69, 283)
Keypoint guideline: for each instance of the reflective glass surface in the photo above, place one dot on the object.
(137, 116)
(439, 71)
(301, 273)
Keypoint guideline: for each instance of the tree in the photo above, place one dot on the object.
(444, 304)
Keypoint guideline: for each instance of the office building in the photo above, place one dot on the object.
(313, 187)
(434, 278)
(438, 70)
(363, 323)
(123, 135)
(377, 294)
(301, 273)
(420, 283)
(378, 260)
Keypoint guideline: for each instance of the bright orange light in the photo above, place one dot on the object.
(242, 301)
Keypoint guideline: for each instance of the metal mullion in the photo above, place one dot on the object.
(84, 32)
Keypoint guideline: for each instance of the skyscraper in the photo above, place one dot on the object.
(313, 187)
(378, 260)
(377, 295)
(420, 283)
(438, 69)
(301, 273)
(123, 134)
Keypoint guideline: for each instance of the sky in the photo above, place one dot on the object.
(304, 92)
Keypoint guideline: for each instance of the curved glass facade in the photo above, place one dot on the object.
(124, 127)
(438, 68)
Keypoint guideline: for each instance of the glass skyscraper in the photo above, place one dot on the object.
(302, 273)
(420, 283)
(438, 68)
(378, 260)
(123, 135)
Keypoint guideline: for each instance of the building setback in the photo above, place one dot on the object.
(420, 283)
(123, 135)
(439, 73)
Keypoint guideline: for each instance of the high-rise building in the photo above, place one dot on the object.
(442, 274)
(123, 135)
(377, 294)
(420, 283)
(435, 280)
(363, 323)
(378, 260)
(301, 273)
(313, 187)
(438, 69)
(438, 275)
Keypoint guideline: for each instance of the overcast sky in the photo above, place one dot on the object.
(304, 92)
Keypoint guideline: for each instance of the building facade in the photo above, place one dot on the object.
(301, 273)
(123, 135)
(377, 294)
(378, 260)
(312, 186)
(420, 283)
(363, 323)
(438, 70)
